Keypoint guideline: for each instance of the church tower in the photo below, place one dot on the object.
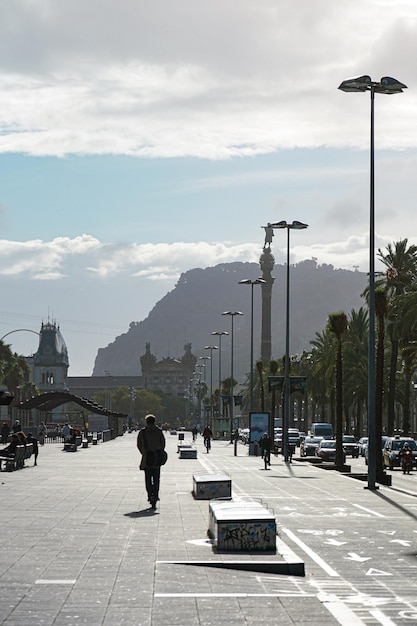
(50, 362)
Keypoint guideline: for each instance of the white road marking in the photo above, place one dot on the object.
(377, 572)
(369, 510)
(382, 619)
(344, 615)
(356, 557)
(56, 581)
(329, 570)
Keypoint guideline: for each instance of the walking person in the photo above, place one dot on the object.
(42, 432)
(151, 443)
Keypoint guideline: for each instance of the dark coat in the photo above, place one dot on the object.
(149, 438)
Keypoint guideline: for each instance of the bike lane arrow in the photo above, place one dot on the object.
(355, 557)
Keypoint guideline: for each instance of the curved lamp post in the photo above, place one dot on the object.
(211, 348)
(248, 281)
(388, 86)
(219, 334)
(232, 314)
(287, 387)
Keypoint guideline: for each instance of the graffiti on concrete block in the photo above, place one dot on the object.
(246, 536)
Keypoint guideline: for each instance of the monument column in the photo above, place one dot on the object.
(266, 262)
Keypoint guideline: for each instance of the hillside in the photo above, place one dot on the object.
(192, 310)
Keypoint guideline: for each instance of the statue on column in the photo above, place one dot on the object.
(269, 233)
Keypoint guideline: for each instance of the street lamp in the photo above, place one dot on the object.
(287, 387)
(204, 358)
(386, 85)
(248, 281)
(232, 315)
(211, 348)
(219, 334)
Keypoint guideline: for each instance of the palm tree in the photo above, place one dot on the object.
(401, 273)
(381, 313)
(337, 324)
(404, 308)
(355, 356)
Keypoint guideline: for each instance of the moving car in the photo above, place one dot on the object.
(326, 450)
(309, 446)
(383, 440)
(363, 442)
(393, 445)
(350, 446)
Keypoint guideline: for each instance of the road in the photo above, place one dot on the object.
(359, 546)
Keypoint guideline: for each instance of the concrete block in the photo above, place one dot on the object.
(209, 486)
(187, 452)
(242, 527)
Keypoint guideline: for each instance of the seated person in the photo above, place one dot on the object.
(10, 450)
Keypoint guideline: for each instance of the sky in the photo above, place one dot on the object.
(139, 140)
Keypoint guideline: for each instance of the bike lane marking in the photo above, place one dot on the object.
(369, 510)
(313, 555)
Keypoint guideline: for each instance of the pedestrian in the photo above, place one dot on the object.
(31, 439)
(17, 427)
(10, 450)
(42, 432)
(5, 432)
(150, 443)
(65, 432)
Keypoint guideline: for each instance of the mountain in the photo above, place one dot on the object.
(193, 310)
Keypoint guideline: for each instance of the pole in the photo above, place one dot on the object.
(231, 387)
(251, 348)
(372, 443)
(287, 359)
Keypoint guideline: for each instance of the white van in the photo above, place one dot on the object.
(321, 429)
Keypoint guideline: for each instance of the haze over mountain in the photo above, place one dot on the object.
(193, 310)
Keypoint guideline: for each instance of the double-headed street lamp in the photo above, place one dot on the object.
(386, 85)
(287, 386)
(248, 281)
(211, 348)
(232, 314)
(219, 334)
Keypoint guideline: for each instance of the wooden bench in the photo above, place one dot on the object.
(18, 460)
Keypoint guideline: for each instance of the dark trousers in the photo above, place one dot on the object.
(152, 476)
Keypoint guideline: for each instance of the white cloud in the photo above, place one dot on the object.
(200, 79)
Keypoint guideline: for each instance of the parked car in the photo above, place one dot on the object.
(309, 446)
(392, 450)
(363, 442)
(326, 450)
(244, 434)
(350, 446)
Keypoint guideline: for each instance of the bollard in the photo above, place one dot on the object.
(255, 448)
(235, 447)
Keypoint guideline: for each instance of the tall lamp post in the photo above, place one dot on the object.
(248, 281)
(204, 359)
(219, 334)
(211, 348)
(232, 315)
(295, 225)
(386, 85)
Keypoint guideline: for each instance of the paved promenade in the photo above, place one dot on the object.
(79, 544)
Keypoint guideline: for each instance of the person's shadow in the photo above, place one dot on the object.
(143, 513)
